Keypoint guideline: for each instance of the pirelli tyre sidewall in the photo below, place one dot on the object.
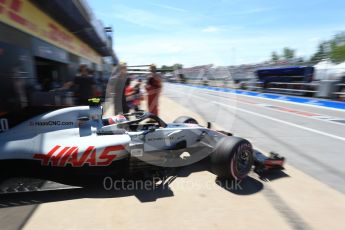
(232, 159)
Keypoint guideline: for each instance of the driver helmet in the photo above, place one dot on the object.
(117, 119)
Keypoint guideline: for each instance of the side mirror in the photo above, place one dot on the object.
(82, 120)
(209, 125)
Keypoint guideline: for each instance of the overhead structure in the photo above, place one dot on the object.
(42, 46)
(77, 17)
(145, 69)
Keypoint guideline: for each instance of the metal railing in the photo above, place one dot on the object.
(340, 94)
(294, 88)
(326, 84)
(341, 89)
(290, 88)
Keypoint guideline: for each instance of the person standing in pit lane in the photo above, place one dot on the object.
(153, 88)
(84, 85)
(138, 95)
(133, 96)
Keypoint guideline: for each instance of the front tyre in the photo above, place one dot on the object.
(232, 159)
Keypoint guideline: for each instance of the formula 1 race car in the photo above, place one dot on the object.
(79, 141)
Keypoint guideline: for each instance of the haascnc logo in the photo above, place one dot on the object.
(51, 123)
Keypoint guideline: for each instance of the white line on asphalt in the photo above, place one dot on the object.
(275, 100)
(320, 117)
(273, 119)
(295, 103)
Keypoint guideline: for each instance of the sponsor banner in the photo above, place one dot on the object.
(45, 50)
(25, 16)
(72, 156)
(51, 123)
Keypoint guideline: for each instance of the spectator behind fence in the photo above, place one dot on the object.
(153, 88)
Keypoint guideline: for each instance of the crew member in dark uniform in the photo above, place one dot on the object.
(84, 85)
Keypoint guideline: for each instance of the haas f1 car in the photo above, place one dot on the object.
(79, 141)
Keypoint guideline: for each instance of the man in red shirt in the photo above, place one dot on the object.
(153, 88)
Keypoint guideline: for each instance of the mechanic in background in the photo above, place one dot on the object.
(84, 85)
(138, 95)
(133, 96)
(153, 88)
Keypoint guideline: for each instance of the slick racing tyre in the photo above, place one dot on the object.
(185, 119)
(232, 159)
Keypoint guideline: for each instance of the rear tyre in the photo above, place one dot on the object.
(232, 159)
(185, 119)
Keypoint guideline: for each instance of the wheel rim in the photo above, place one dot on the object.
(241, 162)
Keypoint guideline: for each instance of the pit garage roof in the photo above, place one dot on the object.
(77, 17)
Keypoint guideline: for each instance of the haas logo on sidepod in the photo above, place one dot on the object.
(63, 156)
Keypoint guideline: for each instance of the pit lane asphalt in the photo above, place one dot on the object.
(314, 146)
(288, 199)
(256, 129)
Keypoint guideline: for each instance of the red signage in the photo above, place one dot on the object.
(63, 156)
(25, 16)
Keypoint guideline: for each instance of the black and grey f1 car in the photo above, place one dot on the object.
(80, 141)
